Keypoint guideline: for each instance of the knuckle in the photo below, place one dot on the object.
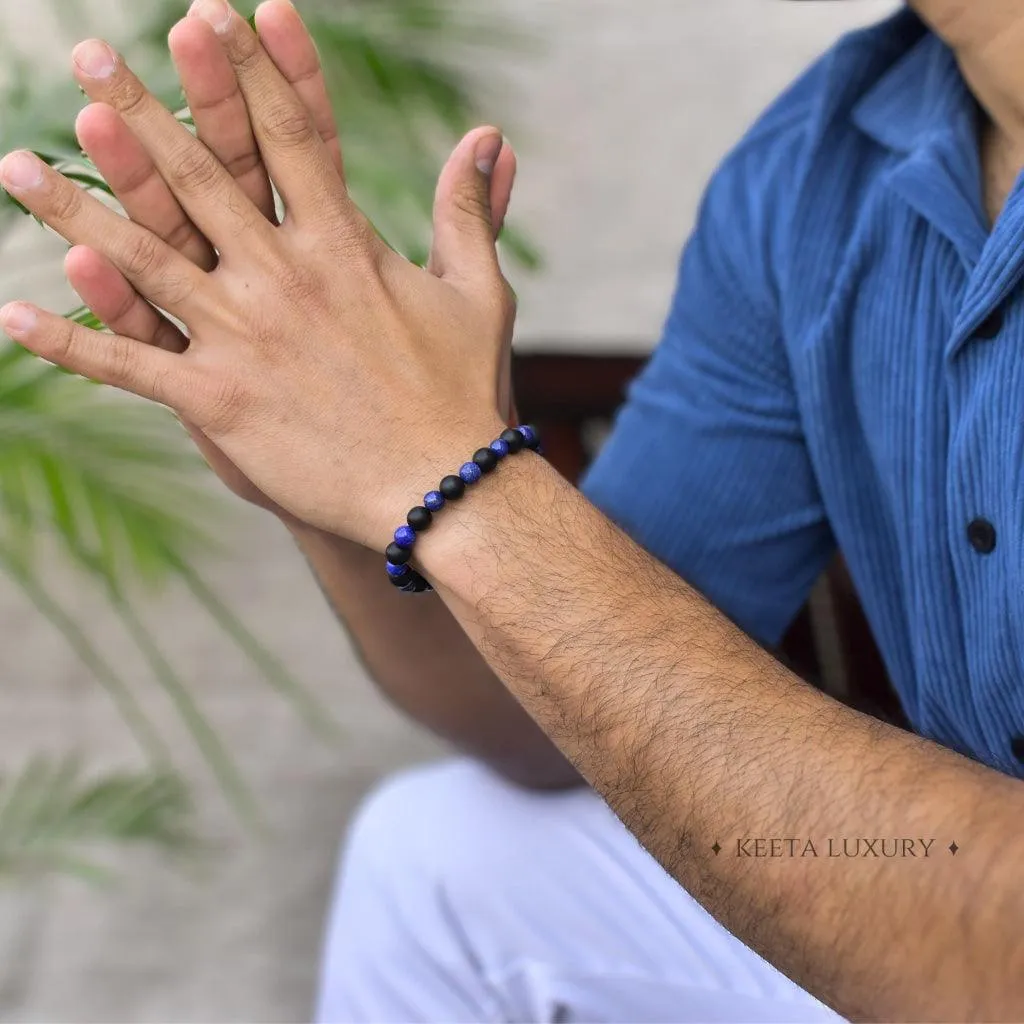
(192, 169)
(305, 287)
(469, 202)
(66, 201)
(222, 398)
(353, 240)
(288, 125)
(143, 256)
(175, 290)
(62, 342)
(127, 95)
(119, 362)
(246, 54)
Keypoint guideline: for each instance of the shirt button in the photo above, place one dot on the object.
(982, 536)
(1017, 748)
(991, 326)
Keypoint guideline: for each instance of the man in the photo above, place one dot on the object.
(839, 367)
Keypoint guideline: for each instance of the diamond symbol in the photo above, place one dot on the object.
(716, 848)
(953, 847)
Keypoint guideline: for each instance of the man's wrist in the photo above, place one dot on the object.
(463, 550)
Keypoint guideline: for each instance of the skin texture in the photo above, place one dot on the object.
(693, 733)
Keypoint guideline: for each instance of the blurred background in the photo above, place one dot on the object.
(184, 729)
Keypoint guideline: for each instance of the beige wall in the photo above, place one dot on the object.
(634, 106)
(618, 124)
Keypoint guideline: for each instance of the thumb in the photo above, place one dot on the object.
(479, 170)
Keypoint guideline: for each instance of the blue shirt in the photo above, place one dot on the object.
(843, 364)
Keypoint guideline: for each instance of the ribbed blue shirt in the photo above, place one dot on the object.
(843, 365)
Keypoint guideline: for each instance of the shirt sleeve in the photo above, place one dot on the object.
(707, 466)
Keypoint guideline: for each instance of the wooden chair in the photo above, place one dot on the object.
(572, 399)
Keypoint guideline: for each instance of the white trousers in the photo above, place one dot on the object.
(463, 899)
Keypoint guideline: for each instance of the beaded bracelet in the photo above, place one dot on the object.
(451, 488)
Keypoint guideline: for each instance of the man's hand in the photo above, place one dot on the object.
(339, 378)
(223, 124)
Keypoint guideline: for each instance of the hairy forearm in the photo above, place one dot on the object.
(426, 666)
(697, 737)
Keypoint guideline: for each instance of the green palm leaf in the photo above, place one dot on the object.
(53, 818)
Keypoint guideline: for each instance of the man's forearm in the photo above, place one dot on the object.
(699, 738)
(424, 663)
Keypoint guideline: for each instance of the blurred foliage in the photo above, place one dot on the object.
(113, 487)
(108, 483)
(52, 817)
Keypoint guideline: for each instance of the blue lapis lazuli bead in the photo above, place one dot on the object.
(405, 536)
(396, 570)
(433, 500)
(470, 472)
(499, 447)
(528, 435)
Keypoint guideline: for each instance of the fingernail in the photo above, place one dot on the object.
(216, 12)
(487, 151)
(94, 59)
(21, 171)
(17, 319)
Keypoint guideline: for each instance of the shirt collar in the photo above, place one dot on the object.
(920, 97)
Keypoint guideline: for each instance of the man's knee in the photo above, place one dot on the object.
(459, 827)
(415, 822)
(395, 946)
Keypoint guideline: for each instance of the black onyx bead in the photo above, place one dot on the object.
(530, 437)
(411, 583)
(513, 439)
(397, 555)
(453, 487)
(486, 459)
(419, 518)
